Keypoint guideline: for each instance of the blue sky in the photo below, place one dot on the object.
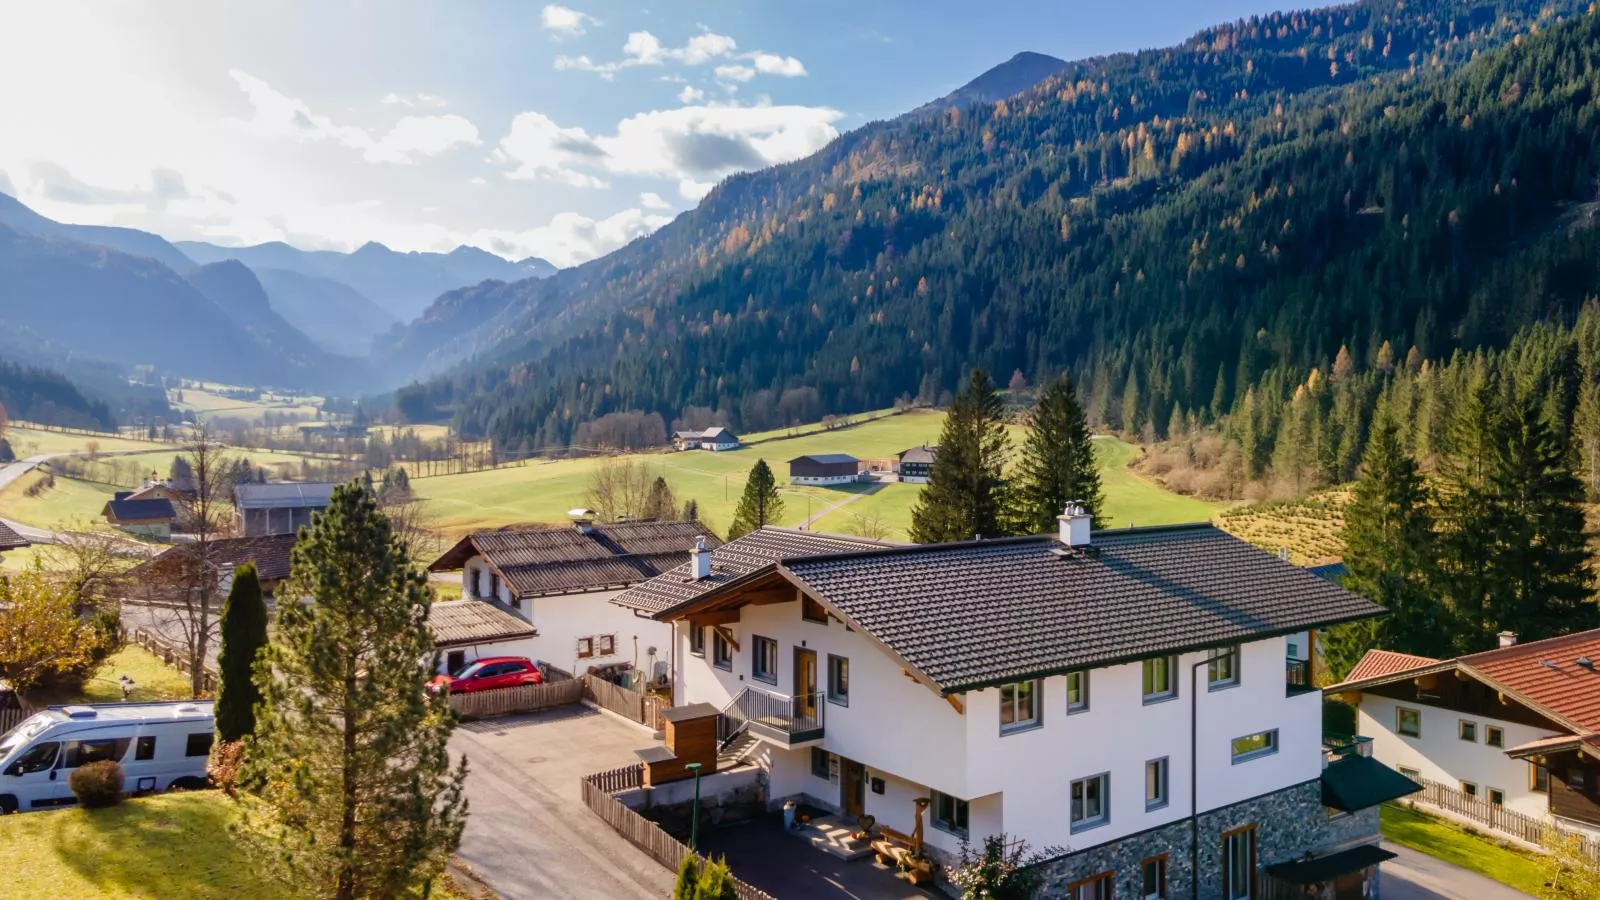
(562, 130)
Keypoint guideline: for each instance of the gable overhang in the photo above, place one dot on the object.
(1463, 671)
(456, 557)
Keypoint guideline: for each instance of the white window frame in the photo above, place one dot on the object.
(1222, 668)
(1081, 704)
(1272, 746)
(1036, 715)
(1077, 808)
(1162, 769)
(1170, 692)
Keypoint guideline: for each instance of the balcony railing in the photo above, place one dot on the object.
(783, 719)
(1336, 746)
(1297, 677)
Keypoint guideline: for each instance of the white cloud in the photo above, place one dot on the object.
(478, 181)
(424, 101)
(565, 21)
(772, 64)
(570, 238)
(649, 200)
(276, 115)
(539, 148)
(734, 73)
(691, 94)
(645, 49)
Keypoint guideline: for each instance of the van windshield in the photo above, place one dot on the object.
(27, 731)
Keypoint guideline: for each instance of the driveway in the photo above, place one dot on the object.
(528, 833)
(1417, 876)
(761, 854)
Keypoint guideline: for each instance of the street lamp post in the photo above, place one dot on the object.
(694, 821)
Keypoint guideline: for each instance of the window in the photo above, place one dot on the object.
(1019, 706)
(455, 661)
(1408, 772)
(1408, 722)
(1153, 878)
(585, 647)
(1222, 668)
(1538, 779)
(1294, 650)
(145, 749)
(1077, 691)
(1160, 679)
(1494, 736)
(516, 602)
(1089, 796)
(1239, 864)
(198, 744)
(820, 763)
(1251, 746)
(1155, 783)
(608, 644)
(81, 753)
(949, 814)
(1469, 731)
(1470, 789)
(764, 660)
(697, 640)
(1096, 888)
(1497, 797)
(1577, 780)
(838, 680)
(721, 651)
(812, 611)
(36, 759)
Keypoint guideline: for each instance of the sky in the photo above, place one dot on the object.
(556, 130)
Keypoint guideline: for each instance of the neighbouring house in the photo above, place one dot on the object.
(468, 630)
(1517, 726)
(147, 518)
(278, 508)
(158, 490)
(1048, 688)
(713, 438)
(10, 540)
(916, 464)
(824, 468)
(163, 577)
(560, 579)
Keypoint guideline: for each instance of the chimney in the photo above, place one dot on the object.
(1507, 638)
(582, 519)
(700, 560)
(1074, 525)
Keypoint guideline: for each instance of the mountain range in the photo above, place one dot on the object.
(1164, 225)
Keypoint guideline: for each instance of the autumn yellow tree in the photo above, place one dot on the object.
(1570, 872)
(41, 634)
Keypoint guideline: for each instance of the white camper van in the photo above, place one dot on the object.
(160, 746)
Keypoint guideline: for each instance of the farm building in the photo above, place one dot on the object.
(165, 576)
(147, 517)
(824, 468)
(282, 508)
(916, 464)
(713, 438)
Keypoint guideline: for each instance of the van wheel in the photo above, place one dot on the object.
(187, 783)
(8, 804)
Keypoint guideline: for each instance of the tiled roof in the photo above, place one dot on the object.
(973, 614)
(759, 550)
(1556, 743)
(825, 458)
(922, 454)
(456, 622)
(566, 560)
(10, 540)
(270, 553)
(283, 495)
(1378, 663)
(139, 510)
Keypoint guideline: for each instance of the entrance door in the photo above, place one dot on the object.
(805, 681)
(852, 787)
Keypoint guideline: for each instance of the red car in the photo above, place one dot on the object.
(489, 673)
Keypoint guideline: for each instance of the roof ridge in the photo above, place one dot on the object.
(922, 548)
(1577, 637)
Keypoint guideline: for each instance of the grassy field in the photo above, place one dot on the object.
(1456, 845)
(26, 442)
(1310, 528)
(152, 679)
(70, 500)
(1131, 500)
(203, 405)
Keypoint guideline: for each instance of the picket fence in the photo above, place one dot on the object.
(519, 699)
(176, 656)
(1529, 828)
(11, 718)
(642, 708)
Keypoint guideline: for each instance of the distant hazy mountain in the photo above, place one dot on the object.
(233, 287)
(128, 240)
(401, 283)
(1010, 78)
(335, 315)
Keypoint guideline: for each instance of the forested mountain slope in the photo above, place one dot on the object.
(1177, 220)
(127, 240)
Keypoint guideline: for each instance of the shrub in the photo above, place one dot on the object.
(97, 784)
(225, 765)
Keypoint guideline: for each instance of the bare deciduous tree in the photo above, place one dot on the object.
(620, 488)
(90, 564)
(189, 601)
(870, 526)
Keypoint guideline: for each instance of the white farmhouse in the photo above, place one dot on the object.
(1125, 696)
(1517, 726)
(560, 579)
(714, 438)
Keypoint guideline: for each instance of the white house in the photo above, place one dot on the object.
(466, 631)
(560, 579)
(824, 469)
(714, 438)
(1517, 726)
(1049, 688)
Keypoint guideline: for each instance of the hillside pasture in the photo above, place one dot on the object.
(26, 442)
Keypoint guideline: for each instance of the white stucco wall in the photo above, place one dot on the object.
(1440, 754)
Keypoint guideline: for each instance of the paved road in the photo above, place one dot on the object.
(528, 833)
(1417, 876)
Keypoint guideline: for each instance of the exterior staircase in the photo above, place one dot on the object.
(732, 753)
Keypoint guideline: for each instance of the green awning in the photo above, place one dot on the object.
(1324, 869)
(1357, 782)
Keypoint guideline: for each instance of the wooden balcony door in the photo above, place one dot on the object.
(852, 787)
(805, 681)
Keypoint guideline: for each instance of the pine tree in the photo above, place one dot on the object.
(1387, 534)
(1057, 462)
(966, 492)
(661, 505)
(1468, 517)
(759, 505)
(691, 510)
(350, 751)
(244, 634)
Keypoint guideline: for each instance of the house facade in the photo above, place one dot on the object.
(559, 580)
(1047, 688)
(1517, 726)
(916, 465)
(144, 517)
(824, 469)
(278, 508)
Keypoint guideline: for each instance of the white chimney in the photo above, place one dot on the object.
(700, 560)
(1507, 638)
(1074, 525)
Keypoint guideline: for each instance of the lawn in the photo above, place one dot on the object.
(1454, 844)
(152, 679)
(1131, 500)
(26, 442)
(69, 500)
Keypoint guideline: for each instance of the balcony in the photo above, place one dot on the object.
(1297, 677)
(784, 720)
(1337, 746)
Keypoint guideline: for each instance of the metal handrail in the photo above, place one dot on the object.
(1297, 675)
(780, 712)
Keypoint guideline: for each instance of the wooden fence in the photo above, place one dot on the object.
(175, 656)
(1529, 828)
(643, 833)
(642, 708)
(624, 779)
(11, 718)
(520, 699)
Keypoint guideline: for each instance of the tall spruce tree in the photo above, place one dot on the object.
(244, 635)
(1388, 533)
(357, 788)
(1467, 517)
(759, 505)
(966, 492)
(1057, 462)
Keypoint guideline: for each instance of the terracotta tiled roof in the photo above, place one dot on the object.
(1378, 663)
(456, 622)
(536, 561)
(1548, 674)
